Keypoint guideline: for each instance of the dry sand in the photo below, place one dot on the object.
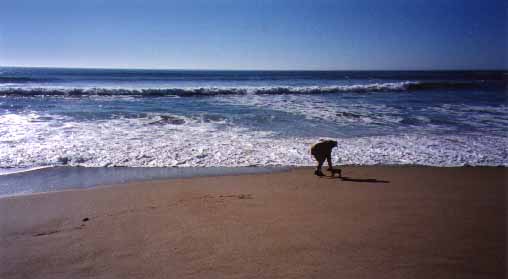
(410, 222)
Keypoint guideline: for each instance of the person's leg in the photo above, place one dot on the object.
(320, 160)
(329, 160)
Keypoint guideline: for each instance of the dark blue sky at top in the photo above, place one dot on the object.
(350, 34)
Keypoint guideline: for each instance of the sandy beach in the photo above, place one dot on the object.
(378, 222)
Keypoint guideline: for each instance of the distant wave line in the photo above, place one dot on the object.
(5, 79)
(240, 90)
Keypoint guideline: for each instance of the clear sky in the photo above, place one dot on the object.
(249, 34)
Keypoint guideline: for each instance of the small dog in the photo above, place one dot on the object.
(335, 171)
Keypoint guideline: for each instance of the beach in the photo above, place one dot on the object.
(377, 222)
(180, 139)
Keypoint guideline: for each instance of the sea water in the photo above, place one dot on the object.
(190, 118)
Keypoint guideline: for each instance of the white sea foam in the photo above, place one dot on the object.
(159, 140)
(319, 108)
(364, 113)
(481, 117)
(21, 193)
(9, 171)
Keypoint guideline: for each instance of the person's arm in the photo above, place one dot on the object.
(329, 159)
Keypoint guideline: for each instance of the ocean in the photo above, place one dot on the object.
(193, 118)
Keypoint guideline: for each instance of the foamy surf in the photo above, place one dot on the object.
(177, 141)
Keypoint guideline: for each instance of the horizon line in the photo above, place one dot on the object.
(246, 69)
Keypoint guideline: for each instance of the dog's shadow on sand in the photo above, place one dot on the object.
(360, 180)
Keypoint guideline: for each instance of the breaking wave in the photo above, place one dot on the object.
(241, 90)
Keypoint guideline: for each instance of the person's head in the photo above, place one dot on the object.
(334, 143)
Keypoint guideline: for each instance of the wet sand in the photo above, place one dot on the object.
(380, 222)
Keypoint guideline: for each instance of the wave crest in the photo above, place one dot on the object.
(241, 90)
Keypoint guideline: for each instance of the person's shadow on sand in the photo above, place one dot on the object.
(364, 180)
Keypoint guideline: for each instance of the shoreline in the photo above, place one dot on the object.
(50, 179)
(63, 178)
(378, 222)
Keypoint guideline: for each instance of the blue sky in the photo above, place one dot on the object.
(317, 35)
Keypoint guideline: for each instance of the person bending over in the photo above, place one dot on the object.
(323, 151)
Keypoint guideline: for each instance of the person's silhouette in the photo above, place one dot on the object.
(323, 151)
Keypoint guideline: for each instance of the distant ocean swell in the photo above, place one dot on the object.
(241, 90)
